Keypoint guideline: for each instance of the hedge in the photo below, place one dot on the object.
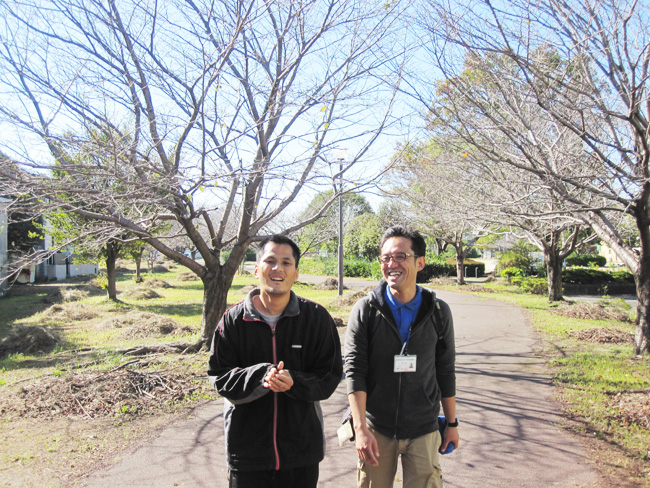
(536, 286)
(586, 260)
(586, 276)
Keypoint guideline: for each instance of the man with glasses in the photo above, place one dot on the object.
(400, 367)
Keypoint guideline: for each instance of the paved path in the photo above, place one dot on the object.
(509, 429)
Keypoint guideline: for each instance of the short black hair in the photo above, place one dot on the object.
(418, 244)
(279, 239)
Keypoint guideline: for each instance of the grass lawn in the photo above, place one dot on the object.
(66, 411)
(603, 388)
(80, 404)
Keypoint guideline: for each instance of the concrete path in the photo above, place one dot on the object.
(510, 434)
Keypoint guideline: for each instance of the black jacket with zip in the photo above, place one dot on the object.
(266, 430)
(400, 405)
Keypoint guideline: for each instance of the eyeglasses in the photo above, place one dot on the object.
(398, 257)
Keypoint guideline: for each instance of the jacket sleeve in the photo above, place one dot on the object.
(237, 384)
(356, 347)
(446, 354)
(322, 379)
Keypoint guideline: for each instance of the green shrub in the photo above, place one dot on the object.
(357, 267)
(539, 271)
(622, 276)
(376, 270)
(435, 270)
(587, 276)
(514, 260)
(353, 267)
(516, 280)
(512, 271)
(587, 260)
(536, 286)
(315, 266)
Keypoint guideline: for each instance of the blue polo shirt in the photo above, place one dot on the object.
(404, 313)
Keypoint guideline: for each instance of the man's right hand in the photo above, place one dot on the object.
(366, 445)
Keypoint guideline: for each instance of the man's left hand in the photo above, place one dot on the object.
(278, 379)
(450, 435)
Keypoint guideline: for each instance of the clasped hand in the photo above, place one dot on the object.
(278, 379)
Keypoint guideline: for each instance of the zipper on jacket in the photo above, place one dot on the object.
(399, 381)
(275, 404)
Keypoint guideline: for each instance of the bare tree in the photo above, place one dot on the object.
(585, 65)
(439, 199)
(494, 196)
(228, 108)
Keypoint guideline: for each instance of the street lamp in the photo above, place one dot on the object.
(340, 154)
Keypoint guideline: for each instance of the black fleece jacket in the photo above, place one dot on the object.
(266, 430)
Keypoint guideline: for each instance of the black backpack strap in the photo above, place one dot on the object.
(372, 319)
(437, 323)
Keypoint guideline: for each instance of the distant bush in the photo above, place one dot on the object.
(514, 260)
(586, 260)
(353, 267)
(586, 276)
(511, 272)
(516, 280)
(536, 286)
(622, 276)
(435, 270)
(539, 270)
(315, 266)
(357, 268)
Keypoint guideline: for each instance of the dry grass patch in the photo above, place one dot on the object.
(70, 312)
(443, 281)
(187, 276)
(74, 294)
(29, 340)
(478, 289)
(143, 293)
(245, 290)
(349, 299)
(328, 284)
(99, 394)
(632, 408)
(602, 310)
(143, 324)
(603, 336)
(157, 283)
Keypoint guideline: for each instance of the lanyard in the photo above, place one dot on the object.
(405, 346)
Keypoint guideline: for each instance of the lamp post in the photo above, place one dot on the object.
(341, 155)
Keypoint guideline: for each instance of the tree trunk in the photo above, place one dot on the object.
(138, 274)
(460, 272)
(642, 335)
(112, 251)
(215, 295)
(216, 283)
(554, 271)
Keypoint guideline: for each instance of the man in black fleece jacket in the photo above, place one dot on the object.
(274, 357)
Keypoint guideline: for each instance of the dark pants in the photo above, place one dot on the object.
(306, 477)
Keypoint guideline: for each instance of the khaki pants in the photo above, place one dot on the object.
(420, 464)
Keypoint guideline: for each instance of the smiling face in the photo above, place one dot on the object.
(401, 277)
(276, 270)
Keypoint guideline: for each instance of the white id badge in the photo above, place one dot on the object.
(404, 364)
